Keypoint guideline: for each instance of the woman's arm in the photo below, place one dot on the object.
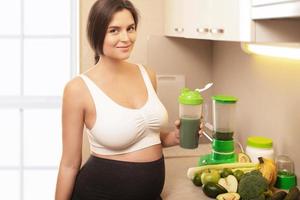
(72, 131)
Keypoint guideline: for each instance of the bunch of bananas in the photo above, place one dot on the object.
(268, 169)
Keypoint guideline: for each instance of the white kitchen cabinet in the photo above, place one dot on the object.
(174, 18)
(197, 19)
(228, 20)
(275, 9)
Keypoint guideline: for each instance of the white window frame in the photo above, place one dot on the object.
(22, 102)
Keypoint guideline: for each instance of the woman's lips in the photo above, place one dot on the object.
(124, 48)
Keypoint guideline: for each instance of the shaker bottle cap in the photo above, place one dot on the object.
(189, 97)
(259, 142)
(225, 99)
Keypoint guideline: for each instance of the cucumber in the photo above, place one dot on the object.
(213, 189)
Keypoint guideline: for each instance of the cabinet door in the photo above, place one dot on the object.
(197, 19)
(225, 20)
(174, 17)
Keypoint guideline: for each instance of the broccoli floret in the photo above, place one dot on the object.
(252, 186)
(261, 197)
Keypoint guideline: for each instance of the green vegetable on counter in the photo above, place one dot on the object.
(212, 190)
(252, 186)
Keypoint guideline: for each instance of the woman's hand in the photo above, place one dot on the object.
(177, 125)
(177, 130)
(172, 138)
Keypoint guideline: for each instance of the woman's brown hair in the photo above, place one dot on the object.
(99, 18)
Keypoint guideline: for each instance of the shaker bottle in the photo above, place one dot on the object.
(190, 109)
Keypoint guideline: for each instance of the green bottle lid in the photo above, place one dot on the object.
(260, 142)
(225, 99)
(189, 97)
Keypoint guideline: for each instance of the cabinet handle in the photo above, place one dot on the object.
(217, 30)
(180, 30)
(202, 30)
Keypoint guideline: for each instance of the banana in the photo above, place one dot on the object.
(268, 169)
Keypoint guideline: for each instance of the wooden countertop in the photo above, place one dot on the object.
(177, 185)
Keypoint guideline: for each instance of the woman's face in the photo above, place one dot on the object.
(120, 36)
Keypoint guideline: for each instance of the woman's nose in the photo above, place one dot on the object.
(124, 36)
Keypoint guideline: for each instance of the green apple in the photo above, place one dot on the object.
(212, 176)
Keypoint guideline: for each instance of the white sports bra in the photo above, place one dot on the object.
(118, 129)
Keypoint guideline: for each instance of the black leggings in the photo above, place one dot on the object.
(105, 179)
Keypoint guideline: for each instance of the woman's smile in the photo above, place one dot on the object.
(124, 48)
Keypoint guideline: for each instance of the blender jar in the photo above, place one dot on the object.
(224, 116)
(190, 109)
(286, 177)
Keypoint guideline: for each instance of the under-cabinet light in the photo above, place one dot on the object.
(289, 51)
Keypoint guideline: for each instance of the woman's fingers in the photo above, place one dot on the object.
(201, 128)
(177, 123)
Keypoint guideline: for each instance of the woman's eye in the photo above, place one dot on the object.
(113, 31)
(131, 29)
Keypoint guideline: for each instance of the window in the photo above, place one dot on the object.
(38, 55)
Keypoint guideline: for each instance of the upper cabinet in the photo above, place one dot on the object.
(228, 20)
(275, 9)
(174, 18)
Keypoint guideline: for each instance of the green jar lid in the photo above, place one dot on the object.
(285, 180)
(225, 99)
(190, 97)
(223, 145)
(260, 142)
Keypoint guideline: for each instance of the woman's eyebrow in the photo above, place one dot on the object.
(120, 27)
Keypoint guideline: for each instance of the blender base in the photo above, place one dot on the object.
(208, 160)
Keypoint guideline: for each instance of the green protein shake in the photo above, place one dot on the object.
(189, 136)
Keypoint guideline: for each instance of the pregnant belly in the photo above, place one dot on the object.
(143, 155)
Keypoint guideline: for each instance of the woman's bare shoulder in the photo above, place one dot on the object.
(152, 74)
(75, 90)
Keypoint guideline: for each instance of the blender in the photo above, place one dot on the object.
(286, 177)
(223, 131)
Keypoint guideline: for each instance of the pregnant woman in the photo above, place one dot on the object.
(117, 102)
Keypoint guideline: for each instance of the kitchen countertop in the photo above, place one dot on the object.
(177, 185)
